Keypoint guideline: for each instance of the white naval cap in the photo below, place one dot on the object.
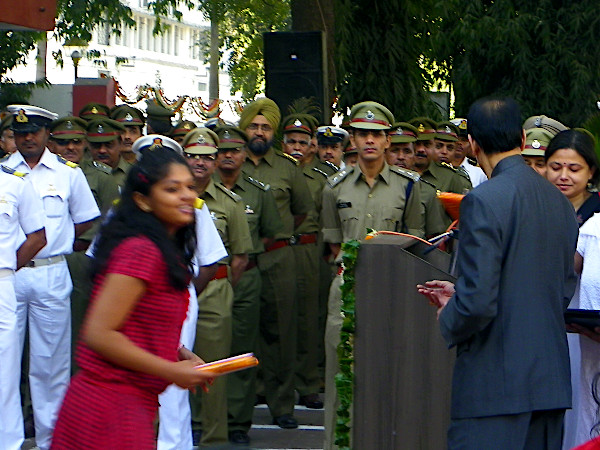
(29, 119)
(154, 141)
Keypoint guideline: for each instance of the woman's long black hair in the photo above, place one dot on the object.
(128, 220)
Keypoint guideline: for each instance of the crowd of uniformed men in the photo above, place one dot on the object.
(282, 216)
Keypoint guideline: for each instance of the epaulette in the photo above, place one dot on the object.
(472, 161)
(447, 166)
(423, 180)
(461, 171)
(331, 165)
(72, 165)
(12, 171)
(102, 167)
(232, 194)
(286, 156)
(198, 203)
(414, 176)
(259, 184)
(333, 180)
(321, 172)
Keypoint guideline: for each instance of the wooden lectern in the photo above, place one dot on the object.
(403, 368)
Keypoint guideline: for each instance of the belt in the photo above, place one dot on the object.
(221, 272)
(6, 273)
(38, 262)
(296, 239)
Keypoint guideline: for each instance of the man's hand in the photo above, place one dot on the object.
(594, 335)
(438, 292)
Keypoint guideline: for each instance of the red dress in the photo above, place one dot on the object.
(108, 406)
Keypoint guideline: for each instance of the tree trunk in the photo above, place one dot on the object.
(213, 78)
(42, 46)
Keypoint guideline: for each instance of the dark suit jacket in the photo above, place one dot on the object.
(517, 241)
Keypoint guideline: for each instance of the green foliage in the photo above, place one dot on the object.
(379, 48)
(18, 93)
(344, 381)
(241, 30)
(14, 47)
(542, 53)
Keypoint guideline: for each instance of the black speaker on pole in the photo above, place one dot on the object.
(295, 67)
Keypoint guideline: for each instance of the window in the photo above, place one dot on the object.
(104, 34)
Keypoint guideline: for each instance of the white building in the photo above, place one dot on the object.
(173, 61)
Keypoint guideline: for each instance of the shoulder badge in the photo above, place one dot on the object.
(198, 203)
(472, 161)
(333, 180)
(72, 165)
(232, 194)
(320, 171)
(462, 172)
(259, 184)
(332, 165)
(448, 166)
(291, 158)
(102, 167)
(414, 176)
(12, 171)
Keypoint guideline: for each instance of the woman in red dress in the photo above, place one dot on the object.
(129, 351)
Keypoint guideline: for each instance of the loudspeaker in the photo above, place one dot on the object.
(295, 67)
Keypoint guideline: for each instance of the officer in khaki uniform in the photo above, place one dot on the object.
(278, 314)
(67, 138)
(133, 120)
(264, 223)
(401, 153)
(93, 111)
(159, 118)
(182, 128)
(536, 142)
(372, 194)
(215, 303)
(104, 139)
(298, 130)
(442, 175)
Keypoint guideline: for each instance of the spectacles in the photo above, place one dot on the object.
(206, 158)
(263, 127)
(294, 141)
(65, 142)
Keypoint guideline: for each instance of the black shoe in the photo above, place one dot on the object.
(312, 401)
(286, 421)
(239, 437)
(196, 437)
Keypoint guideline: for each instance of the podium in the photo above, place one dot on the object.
(402, 366)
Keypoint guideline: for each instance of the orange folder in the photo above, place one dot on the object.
(229, 365)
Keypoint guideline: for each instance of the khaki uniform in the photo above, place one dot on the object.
(263, 221)
(120, 172)
(446, 178)
(350, 206)
(308, 283)
(214, 329)
(105, 191)
(278, 313)
(436, 219)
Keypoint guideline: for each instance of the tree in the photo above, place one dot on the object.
(543, 53)
(380, 51)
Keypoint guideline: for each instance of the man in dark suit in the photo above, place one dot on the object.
(518, 233)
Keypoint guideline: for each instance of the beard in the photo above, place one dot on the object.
(259, 146)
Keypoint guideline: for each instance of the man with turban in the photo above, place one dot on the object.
(278, 315)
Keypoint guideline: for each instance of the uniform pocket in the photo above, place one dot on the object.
(54, 203)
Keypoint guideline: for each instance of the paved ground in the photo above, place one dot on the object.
(264, 436)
